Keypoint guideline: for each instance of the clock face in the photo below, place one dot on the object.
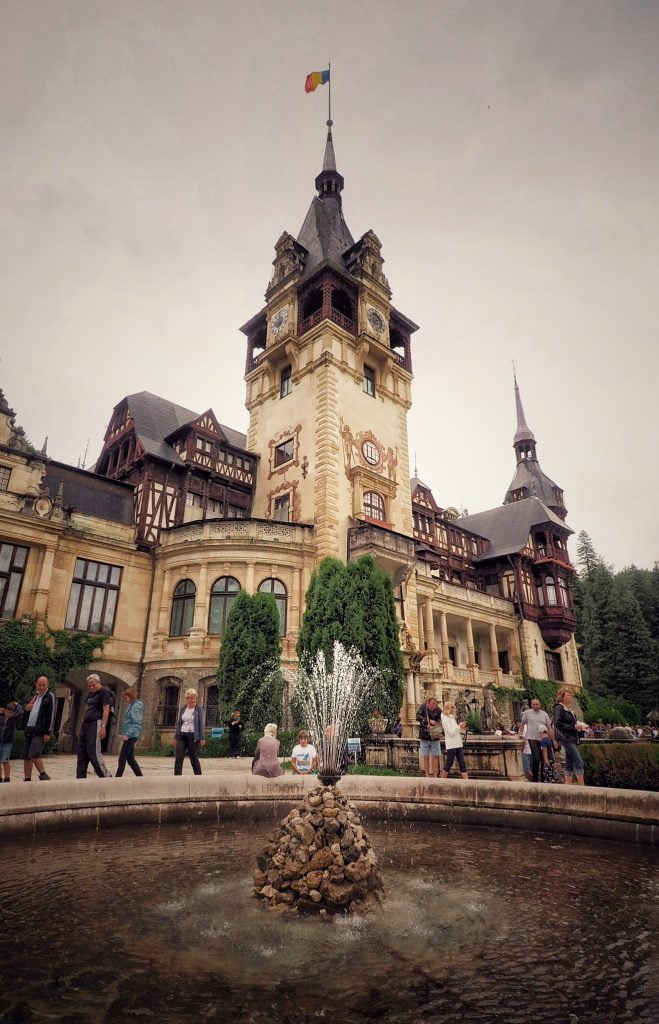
(370, 453)
(279, 320)
(376, 320)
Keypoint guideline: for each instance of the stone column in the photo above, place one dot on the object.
(164, 610)
(428, 627)
(249, 578)
(494, 652)
(42, 589)
(200, 620)
(471, 660)
(443, 631)
(295, 617)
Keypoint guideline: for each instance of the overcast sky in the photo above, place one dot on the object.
(505, 153)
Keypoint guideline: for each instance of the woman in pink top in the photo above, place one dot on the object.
(266, 759)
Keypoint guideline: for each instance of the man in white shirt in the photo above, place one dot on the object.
(532, 718)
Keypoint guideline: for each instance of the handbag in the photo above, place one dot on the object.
(435, 731)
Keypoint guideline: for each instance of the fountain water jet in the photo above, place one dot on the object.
(319, 858)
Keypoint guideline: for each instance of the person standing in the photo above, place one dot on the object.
(454, 734)
(236, 728)
(10, 718)
(532, 718)
(565, 729)
(429, 716)
(92, 729)
(132, 730)
(189, 733)
(40, 710)
(398, 728)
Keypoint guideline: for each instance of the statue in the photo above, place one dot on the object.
(489, 712)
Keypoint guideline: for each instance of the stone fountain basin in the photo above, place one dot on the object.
(623, 815)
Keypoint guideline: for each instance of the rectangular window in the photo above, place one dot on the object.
(451, 655)
(204, 446)
(284, 452)
(93, 598)
(235, 512)
(12, 568)
(282, 510)
(368, 384)
(214, 505)
(194, 500)
(554, 666)
(504, 662)
(285, 382)
(5, 473)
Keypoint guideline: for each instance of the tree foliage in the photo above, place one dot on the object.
(354, 604)
(248, 671)
(618, 628)
(26, 653)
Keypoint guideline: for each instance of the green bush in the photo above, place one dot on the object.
(609, 709)
(621, 765)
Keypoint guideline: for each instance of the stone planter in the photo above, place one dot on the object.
(377, 724)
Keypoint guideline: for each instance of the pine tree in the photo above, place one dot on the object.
(632, 665)
(249, 656)
(587, 557)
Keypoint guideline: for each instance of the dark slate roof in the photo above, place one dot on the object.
(529, 474)
(90, 494)
(324, 233)
(508, 526)
(523, 432)
(156, 418)
(415, 482)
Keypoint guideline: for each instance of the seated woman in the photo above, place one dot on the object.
(266, 758)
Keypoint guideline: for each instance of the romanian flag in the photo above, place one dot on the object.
(316, 78)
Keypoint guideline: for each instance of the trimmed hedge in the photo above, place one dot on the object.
(621, 765)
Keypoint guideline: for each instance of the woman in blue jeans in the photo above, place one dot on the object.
(565, 731)
(131, 732)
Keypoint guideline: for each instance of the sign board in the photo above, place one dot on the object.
(354, 745)
(217, 733)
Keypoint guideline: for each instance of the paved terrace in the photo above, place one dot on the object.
(228, 792)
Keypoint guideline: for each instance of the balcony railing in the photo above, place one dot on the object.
(339, 318)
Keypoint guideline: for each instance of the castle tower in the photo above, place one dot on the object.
(529, 480)
(328, 379)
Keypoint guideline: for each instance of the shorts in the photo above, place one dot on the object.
(526, 764)
(429, 748)
(33, 747)
(5, 752)
(573, 759)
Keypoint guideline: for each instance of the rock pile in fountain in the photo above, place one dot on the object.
(319, 860)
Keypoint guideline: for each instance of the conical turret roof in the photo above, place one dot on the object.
(324, 233)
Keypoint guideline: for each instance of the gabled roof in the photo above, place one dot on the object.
(156, 419)
(507, 527)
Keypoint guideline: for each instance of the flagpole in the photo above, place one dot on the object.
(329, 95)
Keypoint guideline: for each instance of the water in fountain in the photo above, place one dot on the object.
(330, 699)
(319, 858)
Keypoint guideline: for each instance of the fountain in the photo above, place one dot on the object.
(319, 859)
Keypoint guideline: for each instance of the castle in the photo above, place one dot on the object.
(182, 512)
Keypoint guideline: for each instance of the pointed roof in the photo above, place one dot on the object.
(324, 233)
(523, 432)
(155, 419)
(507, 527)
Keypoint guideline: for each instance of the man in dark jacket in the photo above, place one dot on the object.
(40, 712)
(10, 718)
(429, 716)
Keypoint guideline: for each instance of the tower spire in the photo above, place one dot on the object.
(523, 432)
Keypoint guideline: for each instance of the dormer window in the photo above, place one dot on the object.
(203, 445)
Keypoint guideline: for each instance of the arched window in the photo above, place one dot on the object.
(278, 591)
(212, 706)
(223, 594)
(182, 608)
(168, 705)
(550, 587)
(374, 506)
